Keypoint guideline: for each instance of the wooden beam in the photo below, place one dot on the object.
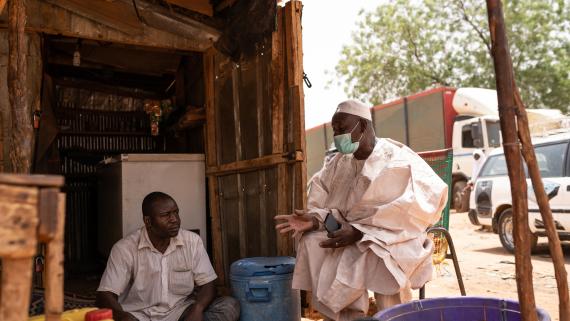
(161, 18)
(217, 243)
(278, 85)
(54, 263)
(110, 89)
(22, 133)
(2, 5)
(212, 160)
(15, 288)
(115, 14)
(201, 6)
(115, 57)
(504, 80)
(265, 218)
(211, 123)
(284, 244)
(293, 42)
(35, 180)
(296, 96)
(255, 164)
(278, 60)
(18, 205)
(47, 209)
(65, 23)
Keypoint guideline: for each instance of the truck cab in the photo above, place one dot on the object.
(471, 133)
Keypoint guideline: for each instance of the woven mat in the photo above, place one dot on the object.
(70, 301)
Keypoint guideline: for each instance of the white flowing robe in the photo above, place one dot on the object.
(392, 197)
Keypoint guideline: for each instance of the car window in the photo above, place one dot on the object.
(494, 166)
(494, 133)
(550, 159)
(466, 137)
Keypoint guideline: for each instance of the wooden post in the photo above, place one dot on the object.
(212, 160)
(18, 226)
(294, 56)
(16, 281)
(544, 206)
(278, 122)
(22, 131)
(54, 264)
(2, 5)
(507, 110)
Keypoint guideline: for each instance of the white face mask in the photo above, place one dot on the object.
(344, 144)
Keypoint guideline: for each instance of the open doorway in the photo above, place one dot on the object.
(102, 100)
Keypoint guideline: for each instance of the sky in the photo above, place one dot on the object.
(327, 26)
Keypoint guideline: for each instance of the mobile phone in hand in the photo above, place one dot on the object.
(331, 224)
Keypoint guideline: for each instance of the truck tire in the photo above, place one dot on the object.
(506, 233)
(460, 201)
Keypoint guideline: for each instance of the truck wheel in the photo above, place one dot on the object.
(506, 236)
(460, 201)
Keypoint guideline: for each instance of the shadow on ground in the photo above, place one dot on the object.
(542, 253)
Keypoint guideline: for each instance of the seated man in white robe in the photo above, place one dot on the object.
(384, 196)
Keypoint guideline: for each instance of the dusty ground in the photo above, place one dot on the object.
(489, 270)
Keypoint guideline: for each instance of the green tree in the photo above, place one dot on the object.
(408, 45)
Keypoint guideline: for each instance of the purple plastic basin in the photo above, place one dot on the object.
(457, 309)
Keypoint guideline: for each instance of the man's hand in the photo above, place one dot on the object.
(346, 235)
(124, 316)
(298, 222)
(110, 300)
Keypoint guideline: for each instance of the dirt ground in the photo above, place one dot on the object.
(489, 270)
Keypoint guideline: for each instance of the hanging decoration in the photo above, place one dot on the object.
(156, 110)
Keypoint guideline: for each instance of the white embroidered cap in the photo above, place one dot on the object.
(354, 107)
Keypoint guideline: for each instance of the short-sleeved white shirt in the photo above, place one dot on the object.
(152, 285)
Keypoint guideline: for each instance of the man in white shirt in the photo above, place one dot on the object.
(162, 273)
(478, 161)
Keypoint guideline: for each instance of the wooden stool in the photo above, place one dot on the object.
(32, 210)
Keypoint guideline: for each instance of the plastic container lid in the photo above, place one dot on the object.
(260, 266)
(99, 315)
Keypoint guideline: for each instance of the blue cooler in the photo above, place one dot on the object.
(263, 287)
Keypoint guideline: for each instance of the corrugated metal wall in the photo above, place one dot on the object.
(255, 144)
(247, 201)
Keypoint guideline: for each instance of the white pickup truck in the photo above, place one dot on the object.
(491, 201)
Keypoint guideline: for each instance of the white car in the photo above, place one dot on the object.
(491, 203)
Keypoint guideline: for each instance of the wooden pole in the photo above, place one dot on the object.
(22, 131)
(544, 206)
(507, 113)
(54, 264)
(2, 5)
(16, 280)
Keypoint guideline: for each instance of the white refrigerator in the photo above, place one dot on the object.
(126, 179)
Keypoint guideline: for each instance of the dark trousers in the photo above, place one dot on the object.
(221, 309)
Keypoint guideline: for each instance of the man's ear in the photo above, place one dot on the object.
(146, 220)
